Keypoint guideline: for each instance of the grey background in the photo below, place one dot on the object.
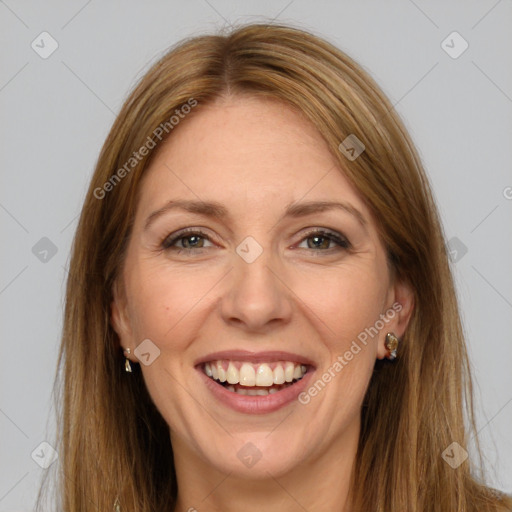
(56, 113)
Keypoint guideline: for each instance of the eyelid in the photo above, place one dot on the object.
(171, 238)
(341, 241)
(338, 237)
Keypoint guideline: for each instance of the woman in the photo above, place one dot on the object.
(260, 312)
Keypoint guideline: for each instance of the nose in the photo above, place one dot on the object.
(256, 296)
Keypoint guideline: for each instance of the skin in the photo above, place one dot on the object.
(255, 157)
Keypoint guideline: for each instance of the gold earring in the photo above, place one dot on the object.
(127, 366)
(391, 344)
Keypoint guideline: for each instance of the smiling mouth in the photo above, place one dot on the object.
(251, 379)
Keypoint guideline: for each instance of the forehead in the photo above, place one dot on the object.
(252, 154)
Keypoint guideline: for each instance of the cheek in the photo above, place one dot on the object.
(166, 300)
(347, 304)
(347, 300)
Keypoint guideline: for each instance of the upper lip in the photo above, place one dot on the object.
(267, 356)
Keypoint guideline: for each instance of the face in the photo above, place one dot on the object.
(261, 289)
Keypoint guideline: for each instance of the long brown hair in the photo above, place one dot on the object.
(114, 445)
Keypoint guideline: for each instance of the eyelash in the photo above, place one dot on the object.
(167, 244)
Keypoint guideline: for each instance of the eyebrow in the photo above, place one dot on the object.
(218, 211)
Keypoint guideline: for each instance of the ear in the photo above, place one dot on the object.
(119, 318)
(400, 305)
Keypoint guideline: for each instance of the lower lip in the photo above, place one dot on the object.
(256, 404)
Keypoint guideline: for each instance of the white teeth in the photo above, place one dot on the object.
(279, 375)
(251, 374)
(264, 375)
(256, 392)
(288, 371)
(232, 375)
(247, 375)
(221, 372)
